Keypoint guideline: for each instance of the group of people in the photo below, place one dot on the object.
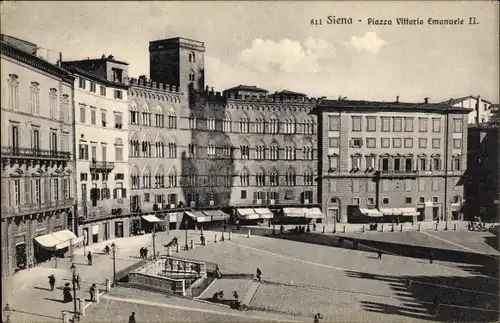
(144, 253)
(67, 296)
(299, 229)
(219, 297)
(373, 226)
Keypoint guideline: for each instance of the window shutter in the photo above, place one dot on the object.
(124, 193)
(98, 194)
(114, 193)
(103, 194)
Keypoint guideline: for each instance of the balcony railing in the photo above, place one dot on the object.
(36, 207)
(35, 153)
(399, 172)
(102, 165)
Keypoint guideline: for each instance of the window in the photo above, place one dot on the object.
(397, 163)
(172, 120)
(421, 199)
(385, 164)
(94, 152)
(83, 151)
(397, 124)
(172, 178)
(172, 150)
(355, 200)
(243, 194)
(35, 139)
(333, 186)
(385, 142)
(385, 124)
(118, 153)
(422, 163)
(407, 200)
(308, 153)
(260, 179)
(211, 151)
(370, 201)
(274, 125)
(290, 179)
(82, 113)
(421, 184)
(422, 142)
(274, 178)
(457, 125)
(146, 118)
(274, 152)
(159, 119)
(333, 142)
(356, 162)
(13, 92)
(210, 123)
(435, 199)
(117, 75)
(192, 150)
(226, 152)
(457, 143)
(435, 184)
(102, 90)
(226, 125)
(244, 125)
(333, 162)
(93, 116)
(17, 192)
(356, 142)
(385, 200)
(103, 118)
(81, 83)
(37, 191)
(408, 185)
(456, 164)
(290, 153)
(370, 162)
(408, 142)
(308, 179)
(191, 76)
(53, 103)
(245, 178)
(396, 143)
(436, 143)
(371, 123)
(334, 123)
(192, 58)
(355, 185)
(371, 142)
(56, 190)
(422, 124)
(118, 94)
(245, 152)
(118, 120)
(408, 124)
(436, 163)
(436, 125)
(35, 98)
(356, 123)
(192, 122)
(289, 126)
(104, 152)
(309, 126)
(92, 87)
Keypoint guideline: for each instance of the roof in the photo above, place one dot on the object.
(89, 60)
(458, 100)
(333, 105)
(251, 88)
(94, 77)
(291, 93)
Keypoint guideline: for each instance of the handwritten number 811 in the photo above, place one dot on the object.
(316, 22)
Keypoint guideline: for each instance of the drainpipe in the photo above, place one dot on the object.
(75, 180)
(446, 171)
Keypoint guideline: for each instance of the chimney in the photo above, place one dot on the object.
(397, 98)
(426, 100)
(60, 59)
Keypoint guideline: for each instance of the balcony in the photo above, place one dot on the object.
(102, 165)
(36, 207)
(398, 173)
(16, 152)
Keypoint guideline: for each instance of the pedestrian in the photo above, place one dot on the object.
(317, 317)
(202, 239)
(258, 275)
(67, 293)
(141, 252)
(282, 229)
(314, 227)
(235, 295)
(92, 291)
(77, 281)
(131, 318)
(146, 253)
(225, 227)
(379, 254)
(52, 282)
(89, 258)
(431, 257)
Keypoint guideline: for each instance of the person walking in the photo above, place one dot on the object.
(67, 293)
(317, 317)
(379, 254)
(131, 318)
(52, 282)
(89, 258)
(141, 252)
(258, 275)
(92, 292)
(77, 281)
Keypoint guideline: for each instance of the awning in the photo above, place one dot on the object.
(216, 215)
(371, 212)
(313, 213)
(172, 217)
(264, 213)
(294, 212)
(200, 217)
(57, 240)
(151, 218)
(408, 211)
(247, 214)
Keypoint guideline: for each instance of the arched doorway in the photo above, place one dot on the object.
(333, 210)
(456, 207)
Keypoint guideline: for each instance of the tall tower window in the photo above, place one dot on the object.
(191, 76)
(192, 58)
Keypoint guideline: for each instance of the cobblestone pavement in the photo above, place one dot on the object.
(241, 286)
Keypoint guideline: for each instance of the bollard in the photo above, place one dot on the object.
(248, 234)
(454, 227)
(169, 251)
(108, 285)
(419, 227)
(177, 248)
(381, 228)
(344, 229)
(324, 229)
(65, 317)
(401, 228)
(229, 238)
(82, 306)
(437, 226)
(192, 244)
(363, 228)
(97, 295)
(215, 238)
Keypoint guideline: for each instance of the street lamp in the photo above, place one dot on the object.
(154, 240)
(186, 231)
(7, 312)
(113, 247)
(76, 316)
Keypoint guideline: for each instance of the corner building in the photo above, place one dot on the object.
(391, 159)
(37, 156)
(101, 135)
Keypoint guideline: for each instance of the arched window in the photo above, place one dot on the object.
(456, 163)
(192, 150)
(134, 176)
(192, 76)
(308, 177)
(172, 177)
(274, 125)
(211, 151)
(160, 177)
(228, 179)
(146, 115)
(172, 119)
(159, 117)
(172, 148)
(226, 124)
(245, 177)
(160, 147)
(212, 177)
(260, 178)
(146, 177)
(260, 125)
(290, 177)
(245, 150)
(290, 151)
(146, 146)
(260, 151)
(274, 177)
(35, 97)
(134, 145)
(210, 123)
(192, 121)
(308, 152)
(53, 103)
(244, 125)
(13, 83)
(274, 151)
(134, 114)
(192, 178)
(192, 57)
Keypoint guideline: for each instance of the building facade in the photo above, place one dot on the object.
(101, 134)
(391, 159)
(37, 153)
(482, 110)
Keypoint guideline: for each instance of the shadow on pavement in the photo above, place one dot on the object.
(42, 288)
(55, 300)
(461, 299)
(36, 314)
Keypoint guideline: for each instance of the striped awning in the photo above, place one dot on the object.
(264, 213)
(294, 212)
(247, 214)
(313, 213)
(57, 240)
(407, 211)
(216, 215)
(151, 218)
(198, 216)
(374, 213)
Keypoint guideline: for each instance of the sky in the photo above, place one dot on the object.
(274, 46)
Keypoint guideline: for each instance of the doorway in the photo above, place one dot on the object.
(86, 236)
(435, 213)
(21, 257)
(119, 229)
(106, 231)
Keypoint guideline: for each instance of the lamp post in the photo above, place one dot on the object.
(154, 240)
(113, 247)
(7, 312)
(274, 225)
(186, 247)
(76, 316)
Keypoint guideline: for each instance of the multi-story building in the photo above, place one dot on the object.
(191, 146)
(482, 174)
(481, 112)
(391, 158)
(37, 156)
(101, 135)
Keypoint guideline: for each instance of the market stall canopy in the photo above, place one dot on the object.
(313, 213)
(374, 213)
(264, 213)
(151, 218)
(294, 212)
(200, 217)
(57, 240)
(216, 215)
(247, 214)
(408, 211)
